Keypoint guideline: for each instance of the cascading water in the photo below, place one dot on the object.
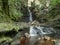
(30, 15)
(38, 30)
(32, 31)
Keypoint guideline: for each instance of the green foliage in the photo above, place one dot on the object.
(54, 2)
(10, 10)
(5, 38)
(15, 12)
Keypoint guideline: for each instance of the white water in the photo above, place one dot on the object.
(40, 31)
(32, 31)
(30, 15)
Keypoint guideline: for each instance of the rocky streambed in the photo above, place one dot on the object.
(15, 40)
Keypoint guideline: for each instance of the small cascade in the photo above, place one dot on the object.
(33, 32)
(30, 15)
(41, 31)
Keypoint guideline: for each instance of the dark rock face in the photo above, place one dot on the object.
(10, 33)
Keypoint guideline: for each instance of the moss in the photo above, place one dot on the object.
(9, 26)
(5, 38)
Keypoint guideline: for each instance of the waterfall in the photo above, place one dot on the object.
(32, 31)
(35, 29)
(38, 30)
(30, 15)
